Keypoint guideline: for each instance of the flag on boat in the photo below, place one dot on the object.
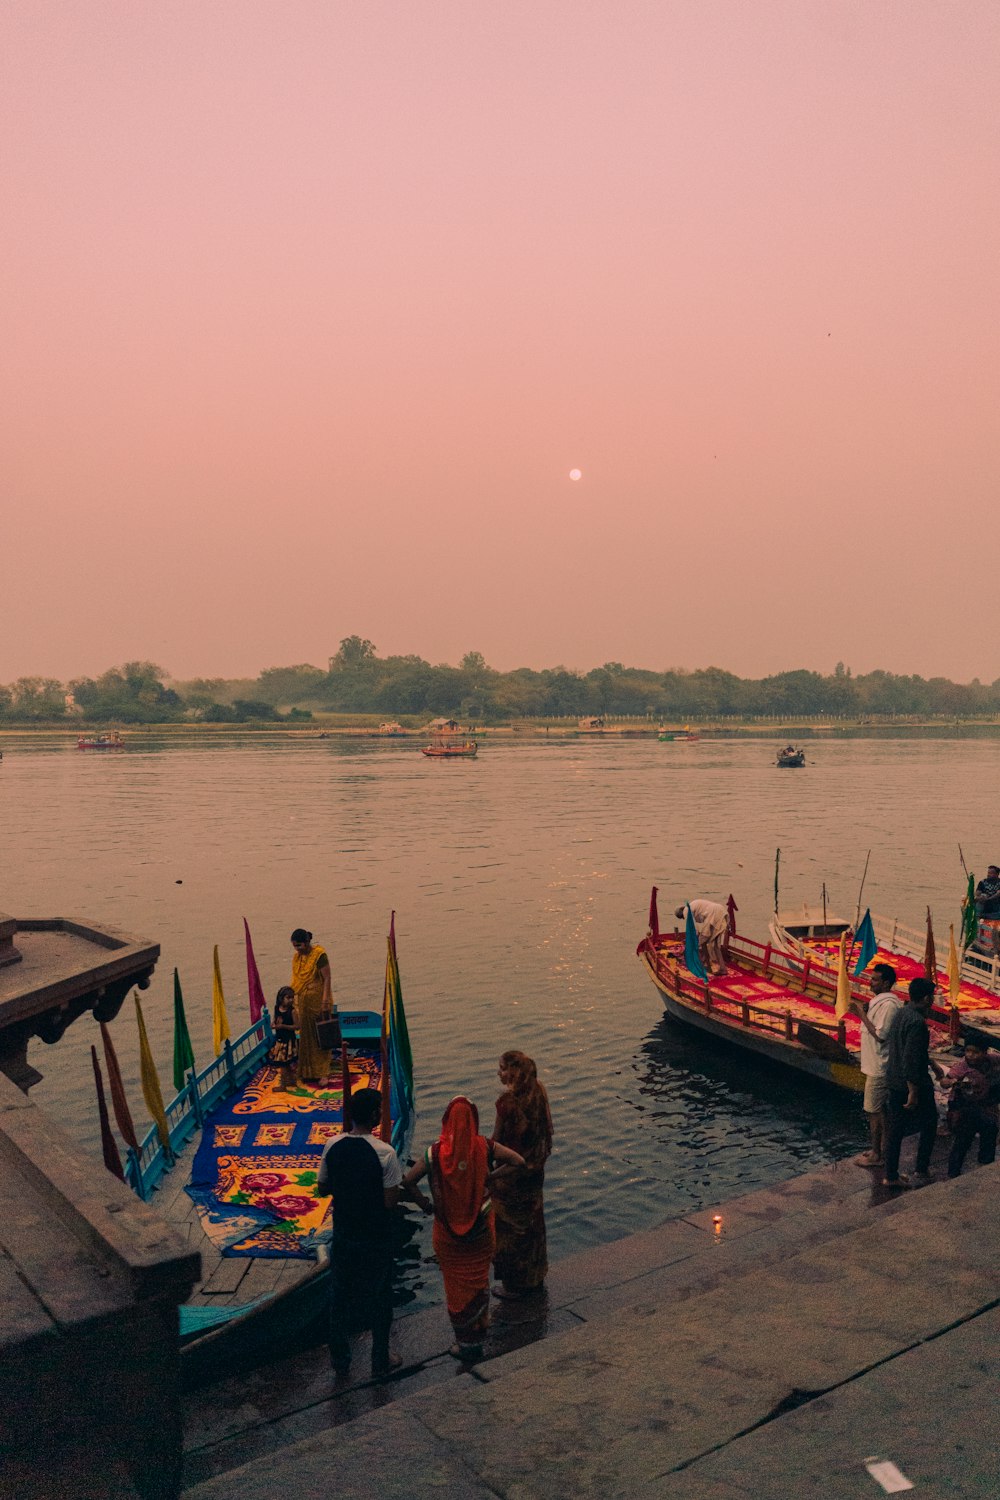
(869, 947)
(220, 1021)
(843, 983)
(692, 955)
(109, 1145)
(183, 1051)
(930, 952)
(151, 1091)
(654, 916)
(970, 918)
(397, 1037)
(954, 967)
(255, 989)
(119, 1103)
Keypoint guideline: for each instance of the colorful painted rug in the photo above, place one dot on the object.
(253, 1179)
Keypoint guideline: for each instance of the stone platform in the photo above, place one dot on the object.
(820, 1328)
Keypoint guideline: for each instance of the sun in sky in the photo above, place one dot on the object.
(576, 474)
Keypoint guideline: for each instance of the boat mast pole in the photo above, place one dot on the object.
(777, 862)
(824, 908)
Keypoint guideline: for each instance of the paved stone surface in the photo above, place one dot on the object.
(931, 1412)
(696, 1351)
(391, 1456)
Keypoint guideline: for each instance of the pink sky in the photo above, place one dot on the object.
(311, 308)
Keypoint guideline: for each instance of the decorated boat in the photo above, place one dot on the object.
(113, 741)
(790, 758)
(677, 736)
(767, 1003)
(465, 751)
(233, 1162)
(968, 986)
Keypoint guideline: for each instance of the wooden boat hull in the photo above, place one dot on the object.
(719, 1020)
(792, 762)
(449, 752)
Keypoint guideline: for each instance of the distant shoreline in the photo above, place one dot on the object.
(332, 726)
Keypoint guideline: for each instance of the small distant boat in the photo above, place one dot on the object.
(790, 757)
(676, 735)
(112, 741)
(451, 752)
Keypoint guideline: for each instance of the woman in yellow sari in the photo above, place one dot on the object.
(313, 998)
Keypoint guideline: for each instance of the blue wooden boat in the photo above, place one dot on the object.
(247, 1304)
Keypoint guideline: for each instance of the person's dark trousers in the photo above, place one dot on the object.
(903, 1122)
(360, 1297)
(966, 1126)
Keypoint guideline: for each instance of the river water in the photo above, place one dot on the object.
(521, 886)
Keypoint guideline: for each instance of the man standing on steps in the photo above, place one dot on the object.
(363, 1176)
(877, 1016)
(910, 1102)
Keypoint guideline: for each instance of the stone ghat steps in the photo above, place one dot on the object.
(775, 1379)
(252, 1416)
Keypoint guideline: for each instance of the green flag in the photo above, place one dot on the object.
(970, 922)
(183, 1051)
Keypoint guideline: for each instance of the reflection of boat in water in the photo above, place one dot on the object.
(112, 741)
(789, 758)
(767, 1004)
(465, 751)
(246, 1196)
(807, 934)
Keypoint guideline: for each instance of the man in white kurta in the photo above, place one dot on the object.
(711, 922)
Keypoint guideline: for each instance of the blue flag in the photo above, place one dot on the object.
(692, 957)
(869, 947)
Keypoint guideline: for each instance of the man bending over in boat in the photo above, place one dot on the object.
(711, 924)
(363, 1175)
(876, 1018)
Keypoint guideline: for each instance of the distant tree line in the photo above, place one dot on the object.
(357, 680)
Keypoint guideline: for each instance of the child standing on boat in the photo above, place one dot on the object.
(284, 1051)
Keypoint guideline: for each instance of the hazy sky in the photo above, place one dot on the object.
(310, 309)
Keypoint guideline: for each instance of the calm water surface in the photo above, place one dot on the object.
(521, 885)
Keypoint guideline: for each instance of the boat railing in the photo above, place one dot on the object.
(978, 968)
(203, 1090)
(760, 1017)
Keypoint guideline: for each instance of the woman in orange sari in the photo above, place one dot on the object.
(524, 1123)
(313, 998)
(461, 1164)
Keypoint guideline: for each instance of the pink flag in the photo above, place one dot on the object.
(254, 987)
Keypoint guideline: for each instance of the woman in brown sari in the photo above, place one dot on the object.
(523, 1123)
(313, 998)
(463, 1167)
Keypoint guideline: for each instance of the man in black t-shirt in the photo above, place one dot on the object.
(363, 1176)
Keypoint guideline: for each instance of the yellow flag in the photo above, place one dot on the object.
(954, 967)
(843, 983)
(151, 1090)
(220, 1021)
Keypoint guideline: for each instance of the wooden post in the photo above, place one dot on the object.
(745, 1012)
(195, 1097)
(133, 1171)
(767, 962)
(789, 1035)
(842, 1033)
(805, 975)
(230, 1064)
(955, 1026)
